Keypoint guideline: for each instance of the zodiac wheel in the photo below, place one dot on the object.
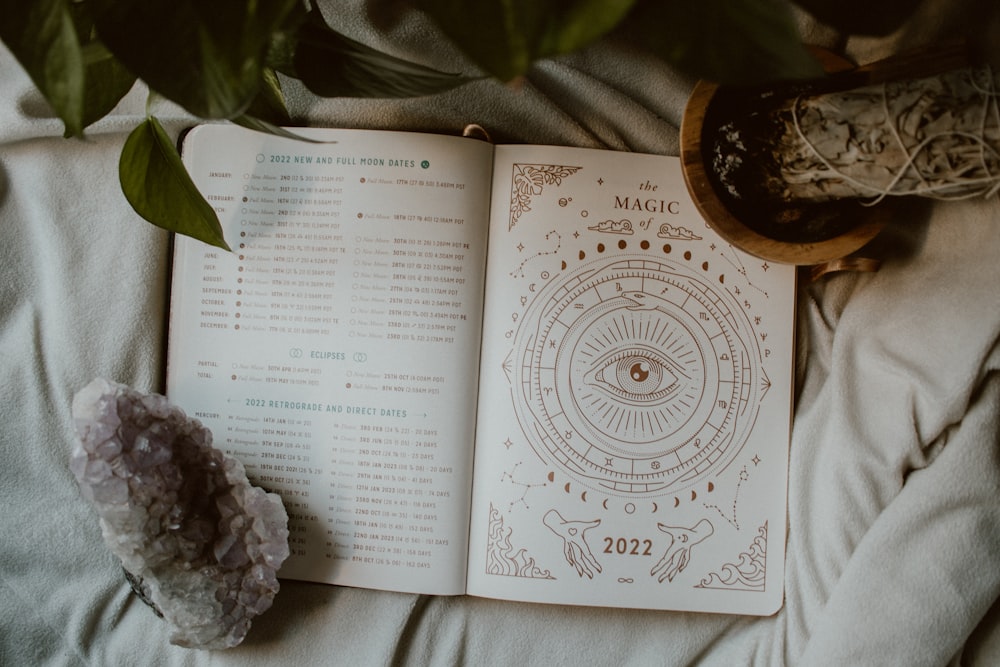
(636, 376)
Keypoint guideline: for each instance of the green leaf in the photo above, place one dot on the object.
(260, 125)
(106, 79)
(205, 56)
(42, 37)
(505, 36)
(268, 112)
(269, 104)
(281, 47)
(159, 188)
(862, 17)
(332, 65)
(107, 82)
(726, 41)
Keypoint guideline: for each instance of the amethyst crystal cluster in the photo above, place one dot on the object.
(201, 543)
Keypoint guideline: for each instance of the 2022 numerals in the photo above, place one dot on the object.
(624, 546)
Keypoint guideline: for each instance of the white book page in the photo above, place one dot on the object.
(635, 394)
(334, 351)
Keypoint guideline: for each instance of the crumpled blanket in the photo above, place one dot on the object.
(894, 495)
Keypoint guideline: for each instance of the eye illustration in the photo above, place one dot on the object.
(634, 375)
(635, 378)
(637, 375)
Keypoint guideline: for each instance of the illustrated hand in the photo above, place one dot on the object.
(678, 554)
(575, 548)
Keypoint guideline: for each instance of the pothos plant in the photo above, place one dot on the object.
(225, 60)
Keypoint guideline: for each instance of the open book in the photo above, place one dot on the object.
(520, 372)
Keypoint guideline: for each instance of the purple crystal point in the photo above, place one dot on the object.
(200, 542)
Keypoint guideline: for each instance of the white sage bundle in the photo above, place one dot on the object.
(934, 137)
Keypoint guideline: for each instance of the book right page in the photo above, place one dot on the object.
(635, 394)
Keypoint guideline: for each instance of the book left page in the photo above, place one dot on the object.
(334, 351)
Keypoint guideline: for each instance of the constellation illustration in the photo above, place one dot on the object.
(635, 375)
(730, 516)
(501, 556)
(509, 477)
(733, 257)
(519, 271)
(748, 573)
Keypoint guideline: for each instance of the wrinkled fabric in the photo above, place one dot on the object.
(894, 495)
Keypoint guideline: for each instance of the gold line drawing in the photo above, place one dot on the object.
(678, 554)
(623, 227)
(509, 477)
(748, 573)
(528, 181)
(519, 271)
(668, 231)
(635, 376)
(731, 517)
(576, 551)
(501, 557)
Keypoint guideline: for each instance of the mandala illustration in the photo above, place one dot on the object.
(635, 376)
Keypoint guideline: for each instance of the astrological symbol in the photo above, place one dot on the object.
(509, 334)
(568, 435)
(547, 390)
(524, 300)
(608, 463)
(545, 275)
(763, 337)
(723, 405)
(746, 303)
(756, 320)
(703, 316)
(552, 344)
(513, 317)
(578, 306)
(618, 287)
(724, 357)
(767, 353)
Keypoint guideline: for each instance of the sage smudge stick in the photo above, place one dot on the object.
(937, 137)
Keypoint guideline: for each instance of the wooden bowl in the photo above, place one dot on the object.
(843, 227)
